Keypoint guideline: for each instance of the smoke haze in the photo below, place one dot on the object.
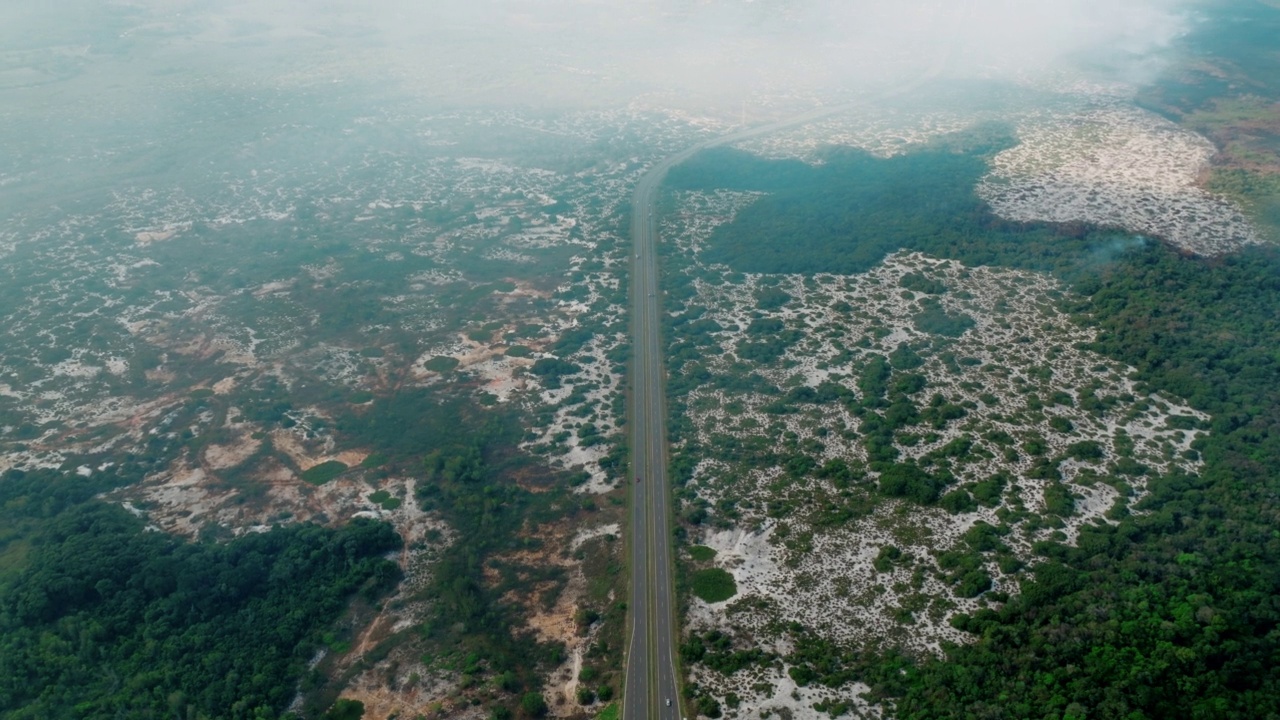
(598, 52)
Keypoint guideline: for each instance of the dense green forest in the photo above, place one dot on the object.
(101, 619)
(846, 214)
(1175, 610)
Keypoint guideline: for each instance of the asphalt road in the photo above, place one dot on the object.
(651, 667)
(651, 653)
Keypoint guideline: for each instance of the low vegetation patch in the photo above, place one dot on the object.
(702, 553)
(324, 472)
(385, 499)
(441, 363)
(714, 585)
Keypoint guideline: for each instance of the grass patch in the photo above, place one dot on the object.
(609, 713)
(386, 500)
(714, 585)
(702, 553)
(441, 363)
(324, 472)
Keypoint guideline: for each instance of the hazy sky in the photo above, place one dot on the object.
(722, 44)
(598, 52)
(116, 84)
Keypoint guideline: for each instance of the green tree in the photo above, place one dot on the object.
(533, 705)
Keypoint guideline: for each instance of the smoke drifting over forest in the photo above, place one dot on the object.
(600, 52)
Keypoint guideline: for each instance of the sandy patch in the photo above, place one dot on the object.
(223, 457)
(301, 452)
(1116, 165)
(559, 623)
(146, 237)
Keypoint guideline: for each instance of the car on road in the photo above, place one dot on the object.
(650, 294)
(668, 702)
(637, 479)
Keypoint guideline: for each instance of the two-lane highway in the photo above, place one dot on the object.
(652, 690)
(651, 680)
(651, 667)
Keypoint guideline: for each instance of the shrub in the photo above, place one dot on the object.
(345, 709)
(907, 480)
(1058, 500)
(771, 298)
(886, 558)
(984, 537)
(553, 368)
(1085, 450)
(958, 501)
(921, 284)
(533, 705)
(910, 383)
(973, 584)
(905, 358)
(988, 491)
(933, 319)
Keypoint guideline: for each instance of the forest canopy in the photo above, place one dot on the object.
(103, 619)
